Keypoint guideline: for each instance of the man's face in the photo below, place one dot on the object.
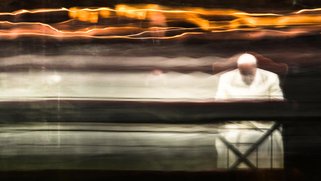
(248, 72)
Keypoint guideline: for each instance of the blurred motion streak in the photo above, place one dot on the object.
(152, 21)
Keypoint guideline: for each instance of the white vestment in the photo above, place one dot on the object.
(264, 86)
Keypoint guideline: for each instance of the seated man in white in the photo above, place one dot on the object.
(244, 83)
(248, 82)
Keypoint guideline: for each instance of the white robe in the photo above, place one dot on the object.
(242, 135)
(264, 86)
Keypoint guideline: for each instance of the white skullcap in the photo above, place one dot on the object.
(246, 58)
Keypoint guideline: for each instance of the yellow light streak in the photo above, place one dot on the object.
(157, 18)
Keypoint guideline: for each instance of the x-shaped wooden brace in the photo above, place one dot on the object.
(243, 157)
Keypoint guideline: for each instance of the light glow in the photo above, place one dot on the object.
(101, 23)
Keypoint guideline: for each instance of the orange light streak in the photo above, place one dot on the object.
(25, 11)
(157, 20)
